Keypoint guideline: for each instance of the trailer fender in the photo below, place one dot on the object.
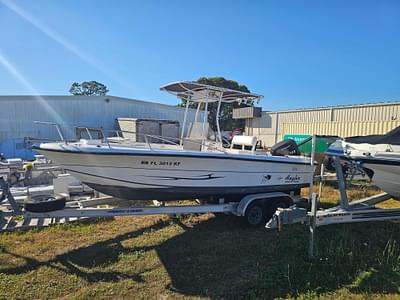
(247, 200)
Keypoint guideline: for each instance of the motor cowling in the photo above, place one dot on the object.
(286, 147)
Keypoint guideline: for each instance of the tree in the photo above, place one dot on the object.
(88, 88)
(226, 121)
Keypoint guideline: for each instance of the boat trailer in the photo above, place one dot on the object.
(12, 216)
(362, 210)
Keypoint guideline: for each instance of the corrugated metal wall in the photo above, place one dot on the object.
(343, 129)
(342, 121)
(17, 114)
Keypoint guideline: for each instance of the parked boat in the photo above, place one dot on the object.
(377, 155)
(193, 167)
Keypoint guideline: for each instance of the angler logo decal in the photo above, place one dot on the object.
(292, 179)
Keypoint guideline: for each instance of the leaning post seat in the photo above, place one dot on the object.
(243, 141)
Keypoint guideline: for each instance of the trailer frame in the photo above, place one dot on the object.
(76, 210)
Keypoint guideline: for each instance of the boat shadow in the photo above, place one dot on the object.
(86, 262)
(220, 258)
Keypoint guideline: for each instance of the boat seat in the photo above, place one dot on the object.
(244, 142)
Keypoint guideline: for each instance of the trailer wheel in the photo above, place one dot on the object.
(46, 204)
(255, 214)
(278, 203)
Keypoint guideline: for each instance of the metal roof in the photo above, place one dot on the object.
(81, 97)
(345, 106)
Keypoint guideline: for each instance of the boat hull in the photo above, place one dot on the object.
(385, 175)
(183, 193)
(381, 162)
(155, 175)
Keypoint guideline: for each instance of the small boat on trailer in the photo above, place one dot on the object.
(189, 168)
(378, 156)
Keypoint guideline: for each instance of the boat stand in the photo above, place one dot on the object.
(362, 210)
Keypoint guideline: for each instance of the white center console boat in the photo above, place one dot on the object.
(189, 168)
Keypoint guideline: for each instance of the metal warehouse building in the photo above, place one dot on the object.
(18, 113)
(343, 121)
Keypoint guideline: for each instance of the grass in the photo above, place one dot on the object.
(201, 256)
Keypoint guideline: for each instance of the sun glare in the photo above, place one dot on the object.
(52, 34)
(27, 85)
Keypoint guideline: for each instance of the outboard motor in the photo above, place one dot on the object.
(286, 147)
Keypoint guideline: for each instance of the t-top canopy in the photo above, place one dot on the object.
(198, 92)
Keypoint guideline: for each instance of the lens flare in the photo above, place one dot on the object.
(23, 81)
(65, 43)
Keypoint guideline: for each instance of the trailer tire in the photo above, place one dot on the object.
(47, 205)
(255, 214)
(282, 202)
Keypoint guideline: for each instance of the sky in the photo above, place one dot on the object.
(296, 53)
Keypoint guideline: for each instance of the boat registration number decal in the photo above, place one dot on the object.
(160, 163)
